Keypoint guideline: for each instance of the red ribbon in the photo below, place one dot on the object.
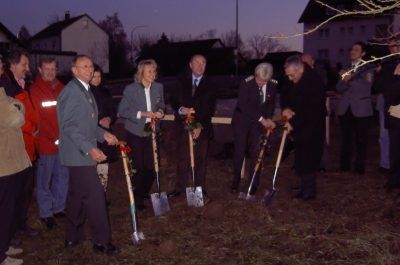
(125, 149)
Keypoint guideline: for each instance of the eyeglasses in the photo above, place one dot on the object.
(85, 66)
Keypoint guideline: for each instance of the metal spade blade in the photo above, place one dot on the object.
(195, 197)
(160, 203)
(137, 237)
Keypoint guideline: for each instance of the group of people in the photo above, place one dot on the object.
(69, 128)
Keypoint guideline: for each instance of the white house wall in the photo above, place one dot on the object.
(340, 41)
(85, 37)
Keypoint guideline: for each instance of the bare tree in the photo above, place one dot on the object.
(229, 39)
(259, 45)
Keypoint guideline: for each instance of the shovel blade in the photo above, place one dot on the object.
(269, 197)
(194, 196)
(246, 196)
(137, 237)
(160, 203)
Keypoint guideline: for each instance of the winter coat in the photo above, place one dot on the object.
(13, 157)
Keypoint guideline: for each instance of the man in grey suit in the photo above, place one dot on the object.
(79, 133)
(354, 109)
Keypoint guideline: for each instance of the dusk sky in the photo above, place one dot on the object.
(178, 17)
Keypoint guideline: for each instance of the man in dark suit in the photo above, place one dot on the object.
(193, 94)
(251, 118)
(79, 132)
(354, 109)
(303, 106)
(388, 83)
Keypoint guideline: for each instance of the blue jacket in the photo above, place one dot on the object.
(356, 94)
(134, 100)
(77, 119)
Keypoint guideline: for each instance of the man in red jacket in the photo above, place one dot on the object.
(15, 86)
(52, 177)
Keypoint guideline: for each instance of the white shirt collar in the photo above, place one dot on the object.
(85, 85)
(198, 78)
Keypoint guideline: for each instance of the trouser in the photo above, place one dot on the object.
(102, 171)
(308, 185)
(353, 127)
(184, 172)
(8, 197)
(24, 197)
(143, 163)
(394, 139)
(383, 142)
(247, 141)
(51, 185)
(86, 200)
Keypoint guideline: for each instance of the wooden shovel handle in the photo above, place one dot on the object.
(191, 149)
(282, 145)
(155, 151)
(261, 153)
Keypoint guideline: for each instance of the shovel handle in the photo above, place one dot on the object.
(282, 145)
(191, 150)
(262, 150)
(155, 151)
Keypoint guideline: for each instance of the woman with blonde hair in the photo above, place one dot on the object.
(142, 101)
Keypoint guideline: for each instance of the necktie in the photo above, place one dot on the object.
(194, 86)
(261, 95)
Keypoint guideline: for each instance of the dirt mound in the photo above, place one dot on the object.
(214, 210)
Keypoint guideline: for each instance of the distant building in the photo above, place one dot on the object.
(8, 40)
(173, 57)
(333, 41)
(77, 35)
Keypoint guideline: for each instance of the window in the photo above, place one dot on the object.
(323, 33)
(381, 31)
(323, 54)
(85, 23)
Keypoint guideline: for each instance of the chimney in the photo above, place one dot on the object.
(67, 15)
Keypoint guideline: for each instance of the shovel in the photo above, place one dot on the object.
(270, 194)
(136, 235)
(247, 196)
(194, 195)
(159, 199)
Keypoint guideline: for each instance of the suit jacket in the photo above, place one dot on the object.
(307, 99)
(77, 122)
(388, 84)
(134, 100)
(356, 93)
(203, 101)
(248, 108)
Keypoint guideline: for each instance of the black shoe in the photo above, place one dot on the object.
(384, 171)
(108, 249)
(71, 244)
(146, 196)
(59, 214)
(174, 193)
(49, 222)
(298, 195)
(205, 193)
(253, 190)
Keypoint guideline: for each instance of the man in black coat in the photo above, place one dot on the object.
(388, 83)
(251, 118)
(303, 106)
(193, 93)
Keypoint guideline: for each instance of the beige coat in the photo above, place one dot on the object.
(13, 157)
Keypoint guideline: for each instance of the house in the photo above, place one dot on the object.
(77, 35)
(8, 40)
(173, 57)
(333, 41)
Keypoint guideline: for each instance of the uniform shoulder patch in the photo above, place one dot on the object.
(248, 79)
(274, 81)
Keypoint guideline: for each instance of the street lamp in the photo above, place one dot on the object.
(237, 39)
(132, 48)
